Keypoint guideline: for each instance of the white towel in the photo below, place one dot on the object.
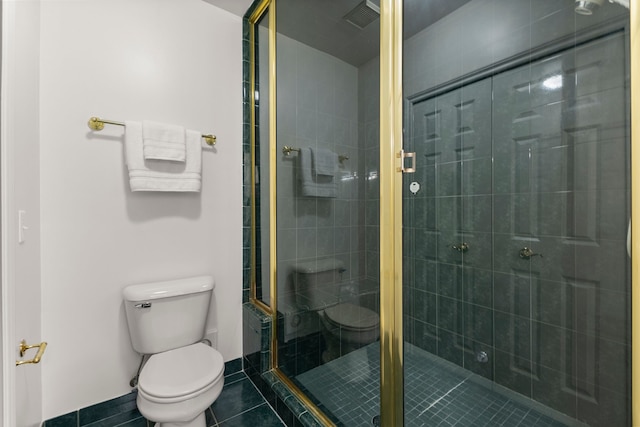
(159, 175)
(311, 184)
(325, 162)
(163, 142)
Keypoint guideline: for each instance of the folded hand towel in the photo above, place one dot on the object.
(325, 162)
(158, 175)
(163, 142)
(312, 184)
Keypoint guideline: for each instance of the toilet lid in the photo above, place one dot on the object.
(181, 371)
(352, 316)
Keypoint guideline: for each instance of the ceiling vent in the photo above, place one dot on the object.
(363, 14)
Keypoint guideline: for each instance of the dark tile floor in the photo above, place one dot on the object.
(240, 404)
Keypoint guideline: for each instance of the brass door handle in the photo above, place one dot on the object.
(527, 253)
(461, 247)
(24, 347)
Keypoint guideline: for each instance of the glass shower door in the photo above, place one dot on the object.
(516, 277)
(327, 203)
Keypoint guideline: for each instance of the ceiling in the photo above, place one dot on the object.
(320, 23)
(237, 7)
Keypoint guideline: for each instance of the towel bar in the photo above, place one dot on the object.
(286, 150)
(96, 123)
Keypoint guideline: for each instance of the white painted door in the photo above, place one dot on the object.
(451, 223)
(561, 189)
(19, 157)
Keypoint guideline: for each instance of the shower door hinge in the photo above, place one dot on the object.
(404, 155)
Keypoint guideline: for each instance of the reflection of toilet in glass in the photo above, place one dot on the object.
(345, 326)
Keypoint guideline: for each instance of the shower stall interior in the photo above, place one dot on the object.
(516, 266)
(516, 273)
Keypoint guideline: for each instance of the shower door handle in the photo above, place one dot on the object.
(404, 155)
(629, 239)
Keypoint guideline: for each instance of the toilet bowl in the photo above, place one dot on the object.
(182, 376)
(177, 386)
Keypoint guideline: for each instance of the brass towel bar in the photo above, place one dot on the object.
(96, 123)
(286, 150)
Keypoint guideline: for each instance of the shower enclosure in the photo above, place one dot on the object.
(478, 204)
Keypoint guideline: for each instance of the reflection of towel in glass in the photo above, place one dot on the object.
(325, 162)
(313, 184)
(160, 175)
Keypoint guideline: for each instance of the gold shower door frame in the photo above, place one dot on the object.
(634, 47)
(391, 340)
(391, 353)
(263, 7)
(391, 105)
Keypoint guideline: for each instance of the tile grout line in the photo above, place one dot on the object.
(249, 410)
(213, 415)
(443, 396)
(265, 401)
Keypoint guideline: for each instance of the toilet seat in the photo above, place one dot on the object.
(180, 374)
(352, 317)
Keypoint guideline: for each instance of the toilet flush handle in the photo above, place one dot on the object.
(143, 305)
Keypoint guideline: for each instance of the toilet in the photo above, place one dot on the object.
(183, 376)
(346, 326)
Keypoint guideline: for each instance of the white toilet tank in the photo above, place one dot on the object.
(316, 283)
(167, 315)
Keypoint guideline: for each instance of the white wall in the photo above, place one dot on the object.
(176, 61)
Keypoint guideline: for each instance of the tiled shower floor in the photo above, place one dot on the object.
(437, 393)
